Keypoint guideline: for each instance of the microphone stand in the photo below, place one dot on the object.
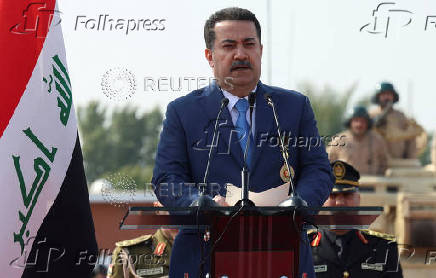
(205, 200)
(245, 173)
(294, 199)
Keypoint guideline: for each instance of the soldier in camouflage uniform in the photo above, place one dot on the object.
(359, 145)
(145, 256)
(352, 253)
(399, 132)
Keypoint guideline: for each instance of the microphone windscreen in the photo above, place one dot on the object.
(225, 101)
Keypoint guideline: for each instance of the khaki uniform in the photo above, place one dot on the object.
(399, 133)
(145, 256)
(368, 155)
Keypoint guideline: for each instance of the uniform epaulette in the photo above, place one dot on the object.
(134, 241)
(378, 234)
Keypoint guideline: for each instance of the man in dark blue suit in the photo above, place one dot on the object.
(234, 51)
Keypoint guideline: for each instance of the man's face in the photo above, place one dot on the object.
(236, 55)
(385, 97)
(351, 199)
(359, 126)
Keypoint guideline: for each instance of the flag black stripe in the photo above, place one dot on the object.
(65, 245)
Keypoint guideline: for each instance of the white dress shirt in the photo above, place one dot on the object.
(234, 112)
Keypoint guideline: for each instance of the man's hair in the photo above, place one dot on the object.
(233, 13)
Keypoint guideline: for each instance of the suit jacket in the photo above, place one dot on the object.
(366, 254)
(187, 134)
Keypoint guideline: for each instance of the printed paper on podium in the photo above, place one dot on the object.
(270, 197)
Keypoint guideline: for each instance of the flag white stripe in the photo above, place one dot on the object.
(38, 110)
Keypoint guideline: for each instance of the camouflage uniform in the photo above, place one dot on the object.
(368, 155)
(149, 257)
(396, 124)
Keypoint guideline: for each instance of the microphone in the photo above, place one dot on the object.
(251, 101)
(245, 174)
(205, 200)
(293, 200)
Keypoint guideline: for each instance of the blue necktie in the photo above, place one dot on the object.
(243, 128)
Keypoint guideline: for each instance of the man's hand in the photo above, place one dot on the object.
(220, 200)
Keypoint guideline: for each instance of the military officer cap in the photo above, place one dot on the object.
(357, 111)
(347, 178)
(383, 87)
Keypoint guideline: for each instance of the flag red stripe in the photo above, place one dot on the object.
(23, 28)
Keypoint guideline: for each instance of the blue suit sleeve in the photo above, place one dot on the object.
(315, 180)
(172, 180)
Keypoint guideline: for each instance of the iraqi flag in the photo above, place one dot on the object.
(46, 224)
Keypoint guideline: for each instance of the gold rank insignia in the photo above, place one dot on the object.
(346, 274)
(339, 169)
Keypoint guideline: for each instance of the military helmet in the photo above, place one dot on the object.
(347, 177)
(357, 111)
(384, 86)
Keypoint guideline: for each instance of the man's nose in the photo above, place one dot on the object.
(240, 53)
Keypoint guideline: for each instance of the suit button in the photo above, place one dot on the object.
(346, 274)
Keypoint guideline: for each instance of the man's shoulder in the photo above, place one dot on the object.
(190, 98)
(376, 136)
(135, 241)
(398, 114)
(282, 92)
(374, 235)
(194, 96)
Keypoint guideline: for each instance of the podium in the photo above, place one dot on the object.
(251, 241)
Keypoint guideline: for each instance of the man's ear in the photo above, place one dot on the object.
(209, 58)
(261, 49)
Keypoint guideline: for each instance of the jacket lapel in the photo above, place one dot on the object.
(264, 125)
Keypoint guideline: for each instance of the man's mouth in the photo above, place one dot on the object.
(240, 68)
